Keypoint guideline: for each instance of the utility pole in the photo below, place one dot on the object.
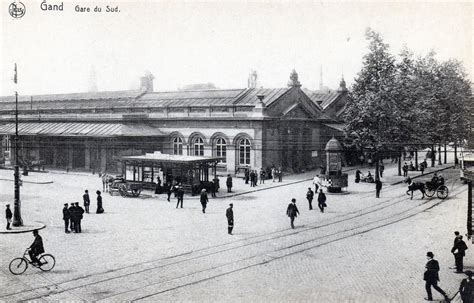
(17, 221)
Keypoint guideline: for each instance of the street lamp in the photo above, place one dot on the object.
(17, 221)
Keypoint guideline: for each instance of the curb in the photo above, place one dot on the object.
(24, 229)
(31, 182)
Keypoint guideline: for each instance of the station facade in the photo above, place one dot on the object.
(249, 128)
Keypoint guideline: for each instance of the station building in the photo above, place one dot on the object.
(249, 127)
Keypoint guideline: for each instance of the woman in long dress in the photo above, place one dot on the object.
(99, 203)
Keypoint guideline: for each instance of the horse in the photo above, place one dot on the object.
(413, 186)
(106, 180)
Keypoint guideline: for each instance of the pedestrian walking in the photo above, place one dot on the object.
(8, 216)
(87, 201)
(458, 250)
(280, 174)
(79, 215)
(72, 217)
(405, 169)
(229, 213)
(273, 174)
(321, 200)
(204, 199)
(431, 277)
(378, 188)
(66, 218)
(466, 289)
(423, 166)
(180, 196)
(100, 209)
(309, 197)
(316, 183)
(262, 176)
(381, 169)
(228, 183)
(292, 212)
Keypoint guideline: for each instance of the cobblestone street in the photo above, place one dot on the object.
(361, 250)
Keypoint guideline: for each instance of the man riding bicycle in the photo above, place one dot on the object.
(36, 248)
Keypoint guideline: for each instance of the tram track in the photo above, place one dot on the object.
(253, 260)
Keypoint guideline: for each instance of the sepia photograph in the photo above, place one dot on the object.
(236, 151)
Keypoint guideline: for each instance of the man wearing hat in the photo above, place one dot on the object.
(66, 217)
(8, 216)
(458, 251)
(204, 199)
(72, 217)
(431, 277)
(229, 213)
(466, 289)
(87, 200)
(79, 214)
(292, 212)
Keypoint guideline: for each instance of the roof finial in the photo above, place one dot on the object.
(342, 85)
(294, 80)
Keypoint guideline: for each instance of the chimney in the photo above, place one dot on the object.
(146, 82)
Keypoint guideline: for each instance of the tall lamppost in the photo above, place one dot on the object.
(17, 221)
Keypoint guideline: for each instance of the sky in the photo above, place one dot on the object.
(183, 43)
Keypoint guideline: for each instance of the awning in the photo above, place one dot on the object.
(81, 129)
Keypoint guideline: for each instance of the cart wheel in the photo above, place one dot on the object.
(429, 192)
(442, 192)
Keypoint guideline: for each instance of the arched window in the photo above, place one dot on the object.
(198, 147)
(244, 152)
(221, 149)
(177, 146)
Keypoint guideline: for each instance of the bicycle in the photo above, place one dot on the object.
(19, 265)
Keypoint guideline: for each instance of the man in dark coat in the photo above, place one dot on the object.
(169, 189)
(431, 277)
(87, 200)
(405, 169)
(180, 196)
(309, 197)
(36, 248)
(72, 217)
(456, 238)
(8, 216)
(229, 213)
(292, 212)
(204, 199)
(228, 183)
(458, 250)
(466, 289)
(378, 188)
(100, 209)
(66, 218)
(381, 169)
(321, 200)
(357, 176)
(79, 215)
(246, 176)
(216, 184)
(252, 178)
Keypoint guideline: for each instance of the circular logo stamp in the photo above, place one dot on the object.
(17, 9)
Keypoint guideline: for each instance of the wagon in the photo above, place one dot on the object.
(125, 188)
(439, 189)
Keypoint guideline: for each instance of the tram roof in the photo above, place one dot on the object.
(159, 157)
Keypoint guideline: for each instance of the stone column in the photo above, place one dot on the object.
(230, 159)
(87, 156)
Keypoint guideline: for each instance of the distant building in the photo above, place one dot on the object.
(248, 128)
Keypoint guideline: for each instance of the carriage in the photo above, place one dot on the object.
(437, 188)
(429, 188)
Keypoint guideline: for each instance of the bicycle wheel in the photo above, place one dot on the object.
(442, 192)
(18, 266)
(47, 262)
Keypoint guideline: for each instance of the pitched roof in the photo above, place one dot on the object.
(79, 129)
(325, 98)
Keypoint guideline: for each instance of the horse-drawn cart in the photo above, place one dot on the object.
(429, 188)
(124, 188)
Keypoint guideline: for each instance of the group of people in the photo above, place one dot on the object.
(431, 276)
(73, 215)
(253, 176)
(321, 198)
